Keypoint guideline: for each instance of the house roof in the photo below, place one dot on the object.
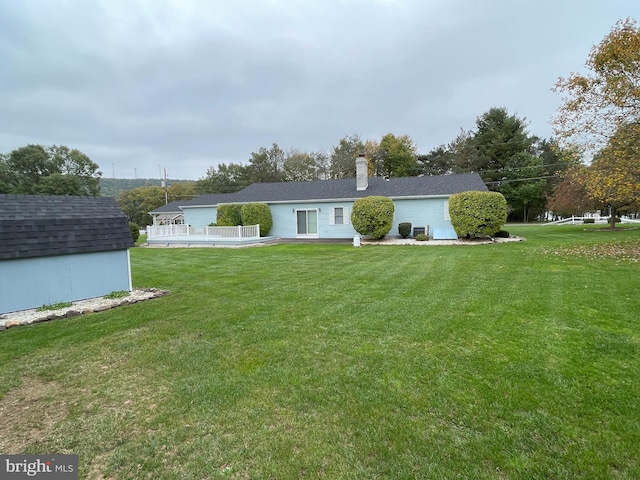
(396, 188)
(206, 199)
(171, 207)
(43, 225)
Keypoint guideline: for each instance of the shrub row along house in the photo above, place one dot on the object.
(56, 249)
(321, 209)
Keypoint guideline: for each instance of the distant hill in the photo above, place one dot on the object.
(113, 187)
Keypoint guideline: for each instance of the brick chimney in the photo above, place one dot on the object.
(362, 172)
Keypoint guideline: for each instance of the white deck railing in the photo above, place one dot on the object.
(203, 233)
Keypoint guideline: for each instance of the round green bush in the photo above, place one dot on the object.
(477, 214)
(135, 231)
(372, 216)
(404, 229)
(229, 215)
(257, 214)
(422, 237)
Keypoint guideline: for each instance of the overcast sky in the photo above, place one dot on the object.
(183, 85)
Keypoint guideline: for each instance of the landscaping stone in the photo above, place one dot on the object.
(79, 308)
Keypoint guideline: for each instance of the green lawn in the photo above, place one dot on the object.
(507, 361)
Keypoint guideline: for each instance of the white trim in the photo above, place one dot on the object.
(129, 268)
(345, 216)
(446, 210)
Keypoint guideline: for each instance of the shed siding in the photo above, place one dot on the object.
(33, 282)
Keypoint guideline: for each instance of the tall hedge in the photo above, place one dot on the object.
(229, 215)
(257, 213)
(477, 214)
(372, 216)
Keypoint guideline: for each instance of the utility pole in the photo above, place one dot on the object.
(166, 189)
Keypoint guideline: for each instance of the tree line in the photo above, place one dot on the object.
(521, 166)
(54, 170)
(591, 163)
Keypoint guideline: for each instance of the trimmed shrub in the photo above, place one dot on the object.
(135, 231)
(404, 229)
(501, 234)
(229, 215)
(257, 213)
(477, 214)
(422, 237)
(372, 216)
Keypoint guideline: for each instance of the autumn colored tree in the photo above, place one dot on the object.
(375, 157)
(613, 178)
(570, 196)
(597, 104)
(601, 115)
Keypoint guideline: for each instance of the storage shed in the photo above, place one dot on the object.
(57, 249)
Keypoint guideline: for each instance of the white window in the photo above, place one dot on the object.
(339, 216)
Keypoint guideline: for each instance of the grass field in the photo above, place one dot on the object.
(506, 361)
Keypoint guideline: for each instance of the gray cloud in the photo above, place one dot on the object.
(184, 85)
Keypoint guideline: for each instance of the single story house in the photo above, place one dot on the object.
(56, 249)
(322, 208)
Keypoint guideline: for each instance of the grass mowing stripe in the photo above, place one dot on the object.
(497, 361)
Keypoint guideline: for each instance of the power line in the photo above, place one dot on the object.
(521, 179)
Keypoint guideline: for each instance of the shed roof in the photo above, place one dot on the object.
(396, 188)
(43, 225)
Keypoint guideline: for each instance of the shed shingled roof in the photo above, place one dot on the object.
(44, 225)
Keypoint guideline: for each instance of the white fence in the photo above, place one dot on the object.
(597, 219)
(203, 233)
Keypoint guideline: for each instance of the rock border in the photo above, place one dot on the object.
(78, 308)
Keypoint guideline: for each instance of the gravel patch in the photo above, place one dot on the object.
(80, 307)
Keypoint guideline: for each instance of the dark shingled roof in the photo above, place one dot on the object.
(395, 188)
(43, 225)
(211, 198)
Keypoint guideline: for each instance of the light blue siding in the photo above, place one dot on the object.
(33, 282)
(201, 216)
(284, 219)
(423, 212)
(429, 212)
